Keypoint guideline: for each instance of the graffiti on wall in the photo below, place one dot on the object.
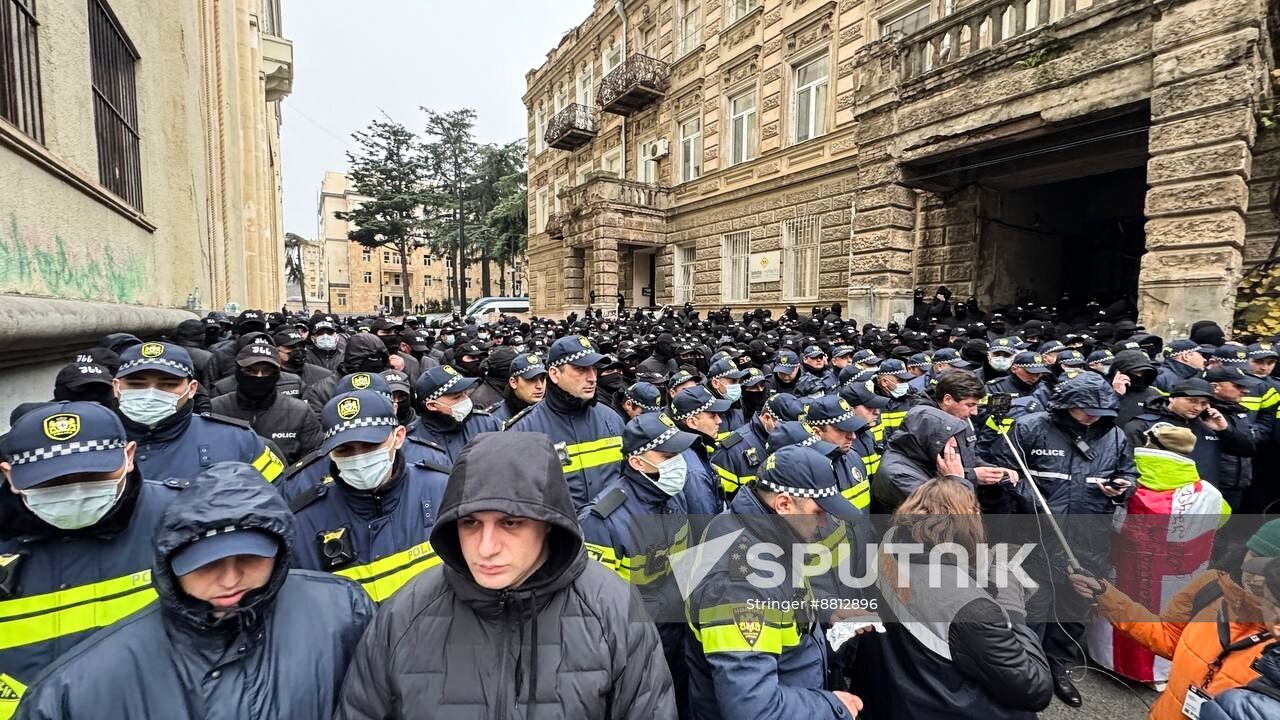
(31, 262)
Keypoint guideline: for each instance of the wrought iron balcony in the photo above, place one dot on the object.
(571, 128)
(635, 84)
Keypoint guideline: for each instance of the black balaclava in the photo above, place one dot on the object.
(296, 360)
(256, 391)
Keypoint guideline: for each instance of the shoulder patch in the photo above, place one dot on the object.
(307, 497)
(608, 503)
(517, 417)
(429, 443)
(433, 466)
(731, 440)
(227, 420)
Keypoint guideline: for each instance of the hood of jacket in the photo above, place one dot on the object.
(1086, 390)
(363, 351)
(926, 430)
(227, 493)
(519, 474)
(1135, 364)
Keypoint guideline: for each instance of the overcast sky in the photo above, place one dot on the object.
(354, 60)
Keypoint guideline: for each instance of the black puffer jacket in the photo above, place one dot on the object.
(911, 459)
(282, 654)
(444, 647)
(1142, 389)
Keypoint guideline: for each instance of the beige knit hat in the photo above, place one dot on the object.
(1172, 438)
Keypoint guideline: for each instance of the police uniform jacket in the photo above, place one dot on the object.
(587, 437)
(59, 586)
(378, 538)
(450, 434)
(288, 422)
(738, 455)
(754, 659)
(185, 444)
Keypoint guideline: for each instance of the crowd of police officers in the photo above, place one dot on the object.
(327, 444)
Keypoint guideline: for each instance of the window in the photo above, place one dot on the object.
(612, 163)
(580, 176)
(739, 8)
(809, 103)
(540, 210)
(586, 81)
(648, 168)
(735, 256)
(426, 280)
(742, 127)
(368, 277)
(685, 273)
(395, 279)
(689, 26)
(365, 255)
(649, 41)
(612, 56)
(561, 185)
(907, 23)
(342, 299)
(20, 99)
(691, 149)
(386, 257)
(115, 105)
(562, 97)
(800, 257)
(540, 129)
(426, 260)
(466, 283)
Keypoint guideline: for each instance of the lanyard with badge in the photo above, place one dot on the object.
(1196, 694)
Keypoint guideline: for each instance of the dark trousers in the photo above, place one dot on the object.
(1055, 612)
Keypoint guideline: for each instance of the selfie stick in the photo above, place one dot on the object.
(1073, 565)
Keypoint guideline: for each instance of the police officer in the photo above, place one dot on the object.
(153, 388)
(761, 648)
(401, 390)
(287, 384)
(75, 544)
(696, 410)
(739, 456)
(286, 421)
(836, 421)
(88, 382)
(324, 345)
(817, 378)
(635, 525)
(869, 444)
(526, 385)
(317, 382)
(496, 369)
(784, 372)
(446, 415)
(640, 398)
(586, 436)
(890, 382)
(724, 380)
(370, 519)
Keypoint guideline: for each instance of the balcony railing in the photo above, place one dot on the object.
(978, 28)
(571, 128)
(635, 84)
(604, 188)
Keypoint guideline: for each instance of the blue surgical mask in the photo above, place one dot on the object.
(1001, 362)
(900, 390)
(327, 342)
(74, 506)
(733, 393)
(671, 474)
(365, 471)
(148, 406)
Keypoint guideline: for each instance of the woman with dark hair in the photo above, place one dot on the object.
(955, 646)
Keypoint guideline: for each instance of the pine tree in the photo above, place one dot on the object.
(451, 155)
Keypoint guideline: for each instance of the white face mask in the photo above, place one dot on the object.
(365, 471)
(461, 409)
(671, 474)
(148, 406)
(1000, 362)
(74, 506)
(900, 390)
(733, 393)
(327, 342)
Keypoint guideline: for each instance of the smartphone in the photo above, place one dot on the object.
(1205, 416)
(998, 404)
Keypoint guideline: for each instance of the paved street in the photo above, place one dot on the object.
(1104, 699)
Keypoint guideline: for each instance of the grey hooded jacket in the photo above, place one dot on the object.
(571, 642)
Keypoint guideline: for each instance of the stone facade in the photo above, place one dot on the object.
(362, 279)
(985, 150)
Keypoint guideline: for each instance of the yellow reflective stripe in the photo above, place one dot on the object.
(1002, 427)
(37, 618)
(891, 420)
(742, 628)
(608, 557)
(859, 495)
(1270, 399)
(877, 431)
(723, 435)
(11, 691)
(731, 482)
(871, 463)
(584, 456)
(383, 577)
(269, 465)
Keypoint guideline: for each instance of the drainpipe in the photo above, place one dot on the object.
(620, 8)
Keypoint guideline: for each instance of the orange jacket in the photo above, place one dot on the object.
(1190, 643)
